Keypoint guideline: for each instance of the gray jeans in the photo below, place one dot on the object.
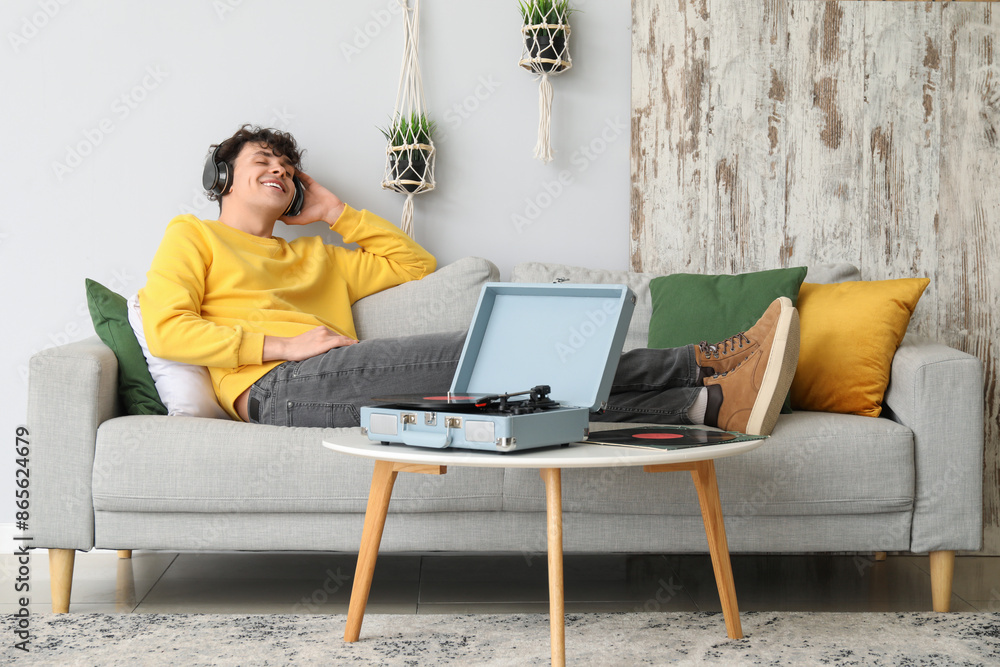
(328, 390)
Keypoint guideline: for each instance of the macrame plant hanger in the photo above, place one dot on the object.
(546, 53)
(409, 155)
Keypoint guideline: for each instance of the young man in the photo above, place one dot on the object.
(272, 319)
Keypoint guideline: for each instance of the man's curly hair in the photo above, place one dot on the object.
(282, 143)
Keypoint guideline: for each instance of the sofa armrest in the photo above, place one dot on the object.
(72, 389)
(937, 392)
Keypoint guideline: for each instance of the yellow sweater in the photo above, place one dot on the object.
(214, 292)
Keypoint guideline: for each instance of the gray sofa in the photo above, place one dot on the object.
(822, 483)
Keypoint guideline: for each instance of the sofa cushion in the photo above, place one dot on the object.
(689, 308)
(109, 312)
(443, 301)
(849, 335)
(185, 389)
(826, 274)
(813, 464)
(187, 464)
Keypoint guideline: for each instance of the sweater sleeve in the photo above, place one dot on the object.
(171, 306)
(387, 257)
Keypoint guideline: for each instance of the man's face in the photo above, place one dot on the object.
(261, 178)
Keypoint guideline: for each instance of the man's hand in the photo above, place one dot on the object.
(320, 204)
(304, 346)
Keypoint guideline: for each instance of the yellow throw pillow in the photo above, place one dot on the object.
(849, 335)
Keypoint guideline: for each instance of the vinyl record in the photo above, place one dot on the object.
(433, 401)
(665, 437)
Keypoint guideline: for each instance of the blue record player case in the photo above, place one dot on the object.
(568, 337)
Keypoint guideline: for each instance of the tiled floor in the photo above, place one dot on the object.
(157, 582)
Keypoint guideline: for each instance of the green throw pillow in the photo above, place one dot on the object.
(109, 312)
(690, 308)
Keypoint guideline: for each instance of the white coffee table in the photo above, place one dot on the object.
(392, 459)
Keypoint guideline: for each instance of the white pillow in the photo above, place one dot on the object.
(184, 389)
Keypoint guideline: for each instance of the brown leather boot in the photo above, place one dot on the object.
(748, 398)
(722, 357)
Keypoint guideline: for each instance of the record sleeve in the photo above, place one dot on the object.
(666, 437)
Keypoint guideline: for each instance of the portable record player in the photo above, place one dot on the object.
(537, 360)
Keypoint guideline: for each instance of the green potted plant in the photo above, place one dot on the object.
(546, 35)
(410, 153)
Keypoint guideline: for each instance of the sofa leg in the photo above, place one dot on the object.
(125, 601)
(942, 573)
(880, 556)
(124, 553)
(61, 575)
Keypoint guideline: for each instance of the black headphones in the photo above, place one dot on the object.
(217, 180)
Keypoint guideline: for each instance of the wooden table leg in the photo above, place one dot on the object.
(715, 530)
(557, 621)
(378, 505)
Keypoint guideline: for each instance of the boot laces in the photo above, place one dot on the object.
(731, 370)
(725, 347)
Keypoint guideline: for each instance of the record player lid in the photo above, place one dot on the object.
(564, 335)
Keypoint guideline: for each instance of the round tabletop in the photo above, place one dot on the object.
(573, 455)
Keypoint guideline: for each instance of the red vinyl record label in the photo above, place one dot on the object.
(661, 437)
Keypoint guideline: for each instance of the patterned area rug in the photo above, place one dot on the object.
(512, 639)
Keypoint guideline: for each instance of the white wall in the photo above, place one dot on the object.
(109, 108)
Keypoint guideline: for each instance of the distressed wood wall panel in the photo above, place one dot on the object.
(969, 214)
(786, 132)
(902, 148)
(670, 88)
(746, 151)
(825, 99)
